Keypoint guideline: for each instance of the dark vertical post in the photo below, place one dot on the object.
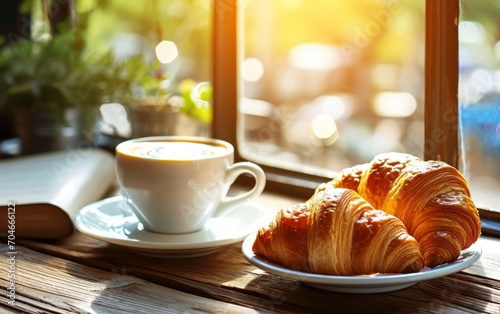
(441, 81)
(224, 71)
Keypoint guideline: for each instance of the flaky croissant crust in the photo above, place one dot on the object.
(426, 218)
(337, 232)
(431, 198)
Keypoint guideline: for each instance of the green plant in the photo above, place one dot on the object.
(150, 85)
(149, 82)
(196, 103)
(59, 73)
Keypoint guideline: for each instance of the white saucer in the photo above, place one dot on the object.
(362, 284)
(111, 220)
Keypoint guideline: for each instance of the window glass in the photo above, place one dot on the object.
(479, 99)
(329, 83)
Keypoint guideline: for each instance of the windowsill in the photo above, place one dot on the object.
(276, 199)
(490, 222)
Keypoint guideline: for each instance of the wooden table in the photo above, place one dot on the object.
(82, 275)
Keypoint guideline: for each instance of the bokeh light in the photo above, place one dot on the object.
(394, 104)
(166, 51)
(252, 70)
(471, 32)
(315, 56)
(324, 126)
(333, 105)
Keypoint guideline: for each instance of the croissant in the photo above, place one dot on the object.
(337, 232)
(431, 198)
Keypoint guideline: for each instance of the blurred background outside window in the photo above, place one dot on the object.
(330, 84)
(479, 99)
(326, 84)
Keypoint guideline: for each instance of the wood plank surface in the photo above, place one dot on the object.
(88, 276)
(226, 276)
(51, 284)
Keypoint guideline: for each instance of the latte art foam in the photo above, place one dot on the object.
(173, 150)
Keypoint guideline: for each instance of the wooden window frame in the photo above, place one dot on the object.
(441, 88)
(441, 94)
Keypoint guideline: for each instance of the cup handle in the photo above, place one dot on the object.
(232, 174)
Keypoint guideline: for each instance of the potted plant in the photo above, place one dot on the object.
(149, 109)
(52, 88)
(162, 107)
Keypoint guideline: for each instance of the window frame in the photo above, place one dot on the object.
(441, 95)
(441, 88)
(226, 55)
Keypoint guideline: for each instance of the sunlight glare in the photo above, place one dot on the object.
(395, 104)
(166, 51)
(290, 4)
(313, 56)
(324, 126)
(471, 32)
(333, 105)
(252, 69)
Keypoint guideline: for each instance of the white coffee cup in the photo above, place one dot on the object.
(175, 184)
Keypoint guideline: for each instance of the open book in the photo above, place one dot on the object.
(41, 194)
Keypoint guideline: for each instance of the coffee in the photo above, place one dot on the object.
(172, 150)
(175, 184)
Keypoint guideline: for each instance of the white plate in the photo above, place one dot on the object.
(111, 220)
(362, 284)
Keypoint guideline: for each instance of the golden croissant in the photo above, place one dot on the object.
(431, 198)
(337, 232)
